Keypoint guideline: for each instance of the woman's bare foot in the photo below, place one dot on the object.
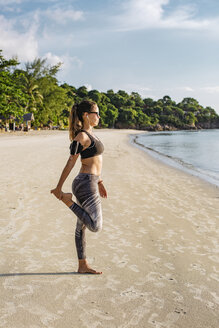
(83, 267)
(66, 197)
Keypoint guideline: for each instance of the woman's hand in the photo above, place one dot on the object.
(57, 192)
(102, 190)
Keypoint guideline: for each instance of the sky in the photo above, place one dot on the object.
(153, 47)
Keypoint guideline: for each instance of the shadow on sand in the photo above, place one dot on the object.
(41, 274)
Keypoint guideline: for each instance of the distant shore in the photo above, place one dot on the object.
(157, 128)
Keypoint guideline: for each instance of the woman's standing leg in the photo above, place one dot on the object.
(80, 240)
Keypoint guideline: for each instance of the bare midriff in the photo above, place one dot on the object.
(92, 165)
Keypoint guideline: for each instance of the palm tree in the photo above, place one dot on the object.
(34, 74)
(32, 89)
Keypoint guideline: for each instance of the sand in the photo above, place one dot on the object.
(158, 249)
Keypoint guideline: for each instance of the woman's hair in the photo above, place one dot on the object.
(76, 119)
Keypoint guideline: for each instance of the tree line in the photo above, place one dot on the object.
(35, 89)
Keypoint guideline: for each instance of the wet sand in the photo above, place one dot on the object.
(158, 249)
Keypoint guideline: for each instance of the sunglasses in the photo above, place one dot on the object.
(98, 114)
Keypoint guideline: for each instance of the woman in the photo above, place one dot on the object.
(87, 186)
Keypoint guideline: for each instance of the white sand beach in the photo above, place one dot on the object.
(158, 249)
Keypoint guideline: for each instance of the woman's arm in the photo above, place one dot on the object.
(82, 138)
(102, 190)
(67, 169)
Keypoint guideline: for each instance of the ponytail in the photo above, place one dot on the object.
(76, 117)
(75, 124)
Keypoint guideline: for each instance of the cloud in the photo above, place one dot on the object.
(189, 89)
(52, 59)
(62, 16)
(88, 86)
(69, 64)
(144, 91)
(66, 60)
(196, 89)
(14, 43)
(9, 2)
(145, 14)
(138, 87)
(11, 5)
(214, 89)
(23, 34)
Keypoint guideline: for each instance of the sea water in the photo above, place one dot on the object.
(195, 151)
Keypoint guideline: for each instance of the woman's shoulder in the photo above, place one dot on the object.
(81, 136)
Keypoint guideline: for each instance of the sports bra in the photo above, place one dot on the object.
(96, 147)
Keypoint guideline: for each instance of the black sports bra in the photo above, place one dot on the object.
(96, 147)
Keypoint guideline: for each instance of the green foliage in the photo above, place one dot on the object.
(137, 99)
(36, 89)
(12, 98)
(95, 96)
(55, 102)
(143, 121)
(127, 116)
(111, 115)
(82, 92)
(6, 65)
(103, 111)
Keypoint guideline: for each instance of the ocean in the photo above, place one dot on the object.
(195, 151)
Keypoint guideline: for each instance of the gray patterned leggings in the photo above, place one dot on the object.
(88, 209)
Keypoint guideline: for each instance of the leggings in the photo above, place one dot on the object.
(88, 209)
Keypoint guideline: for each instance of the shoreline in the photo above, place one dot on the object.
(172, 162)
